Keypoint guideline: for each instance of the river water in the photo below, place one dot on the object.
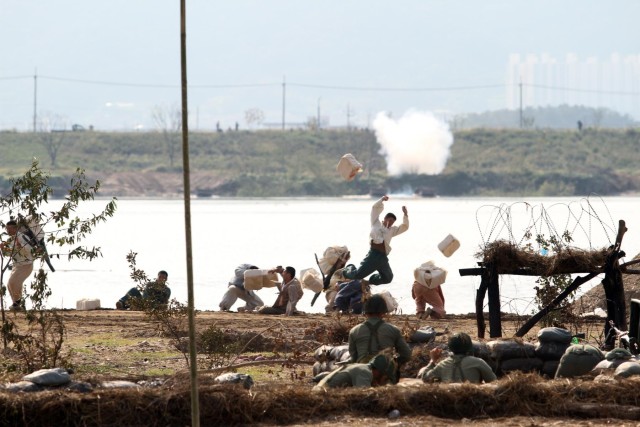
(288, 231)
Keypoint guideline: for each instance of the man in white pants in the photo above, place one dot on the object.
(236, 290)
(20, 251)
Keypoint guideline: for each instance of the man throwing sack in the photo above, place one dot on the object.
(380, 238)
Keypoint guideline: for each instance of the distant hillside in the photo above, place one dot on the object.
(561, 117)
(302, 163)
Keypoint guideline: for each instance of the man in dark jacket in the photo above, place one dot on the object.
(155, 294)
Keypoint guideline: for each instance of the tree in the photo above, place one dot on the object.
(40, 346)
(51, 130)
(168, 121)
(254, 117)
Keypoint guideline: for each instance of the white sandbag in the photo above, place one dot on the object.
(322, 353)
(50, 377)
(311, 280)
(255, 279)
(348, 167)
(234, 378)
(429, 275)
(627, 369)
(449, 245)
(330, 256)
(87, 304)
(270, 280)
(392, 304)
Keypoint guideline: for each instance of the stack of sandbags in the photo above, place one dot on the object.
(613, 359)
(578, 359)
(513, 355)
(327, 356)
(552, 343)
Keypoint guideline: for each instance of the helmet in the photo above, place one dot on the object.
(385, 365)
(375, 305)
(460, 343)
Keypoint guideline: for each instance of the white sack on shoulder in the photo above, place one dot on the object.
(429, 275)
(330, 256)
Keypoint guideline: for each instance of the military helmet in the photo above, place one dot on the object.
(375, 305)
(460, 343)
(385, 365)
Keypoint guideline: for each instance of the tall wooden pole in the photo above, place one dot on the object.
(193, 364)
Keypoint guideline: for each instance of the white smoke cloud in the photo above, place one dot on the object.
(417, 142)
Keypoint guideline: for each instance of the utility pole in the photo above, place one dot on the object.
(318, 124)
(35, 99)
(284, 91)
(349, 117)
(193, 361)
(521, 122)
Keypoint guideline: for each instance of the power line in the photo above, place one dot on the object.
(321, 86)
(396, 89)
(568, 89)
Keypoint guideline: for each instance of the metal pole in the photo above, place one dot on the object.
(521, 104)
(193, 363)
(284, 89)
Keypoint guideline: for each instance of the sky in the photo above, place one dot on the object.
(109, 64)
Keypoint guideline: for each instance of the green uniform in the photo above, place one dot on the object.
(355, 375)
(459, 368)
(362, 343)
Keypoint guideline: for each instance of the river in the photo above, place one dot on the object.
(289, 231)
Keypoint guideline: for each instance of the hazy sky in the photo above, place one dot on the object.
(109, 63)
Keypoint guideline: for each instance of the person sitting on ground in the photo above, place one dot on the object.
(374, 334)
(290, 292)
(379, 371)
(460, 366)
(237, 290)
(155, 294)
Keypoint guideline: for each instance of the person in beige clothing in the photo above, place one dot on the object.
(20, 251)
(290, 293)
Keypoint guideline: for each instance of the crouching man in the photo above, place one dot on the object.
(460, 367)
(380, 371)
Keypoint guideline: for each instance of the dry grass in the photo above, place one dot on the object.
(512, 396)
(507, 258)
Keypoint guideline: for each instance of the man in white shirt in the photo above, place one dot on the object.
(290, 293)
(237, 290)
(380, 239)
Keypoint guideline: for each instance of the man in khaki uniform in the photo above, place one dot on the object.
(379, 371)
(374, 334)
(458, 368)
